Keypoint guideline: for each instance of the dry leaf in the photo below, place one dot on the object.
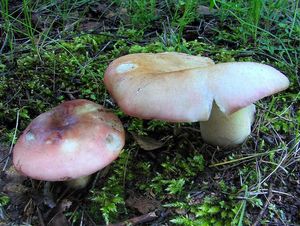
(59, 218)
(89, 26)
(205, 11)
(147, 143)
(15, 189)
(14, 176)
(142, 203)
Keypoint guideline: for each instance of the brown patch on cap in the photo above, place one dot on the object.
(69, 141)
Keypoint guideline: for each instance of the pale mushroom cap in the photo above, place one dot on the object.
(239, 84)
(185, 92)
(74, 139)
(155, 86)
(152, 63)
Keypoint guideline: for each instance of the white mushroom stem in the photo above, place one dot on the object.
(79, 183)
(227, 130)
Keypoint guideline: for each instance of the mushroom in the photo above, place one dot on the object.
(71, 141)
(177, 87)
(158, 86)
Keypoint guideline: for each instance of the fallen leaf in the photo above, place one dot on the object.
(73, 20)
(205, 11)
(180, 211)
(99, 8)
(142, 203)
(15, 189)
(59, 218)
(14, 176)
(147, 143)
(110, 15)
(197, 198)
(89, 26)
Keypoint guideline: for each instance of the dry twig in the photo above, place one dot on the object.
(263, 210)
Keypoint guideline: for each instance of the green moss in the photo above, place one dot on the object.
(109, 200)
(4, 200)
(207, 211)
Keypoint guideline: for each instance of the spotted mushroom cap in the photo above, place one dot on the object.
(155, 86)
(176, 87)
(74, 139)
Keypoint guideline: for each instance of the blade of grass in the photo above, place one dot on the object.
(294, 17)
(243, 207)
(49, 38)
(243, 158)
(255, 11)
(243, 22)
(9, 35)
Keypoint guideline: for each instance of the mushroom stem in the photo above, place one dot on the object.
(227, 130)
(79, 182)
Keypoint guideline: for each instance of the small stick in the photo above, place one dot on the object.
(70, 95)
(138, 220)
(40, 216)
(263, 210)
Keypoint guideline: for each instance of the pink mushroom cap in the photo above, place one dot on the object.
(74, 139)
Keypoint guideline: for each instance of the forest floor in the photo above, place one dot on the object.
(54, 51)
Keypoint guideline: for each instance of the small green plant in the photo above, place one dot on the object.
(141, 13)
(27, 22)
(185, 169)
(211, 210)
(175, 186)
(137, 125)
(185, 13)
(4, 200)
(255, 14)
(6, 25)
(109, 200)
